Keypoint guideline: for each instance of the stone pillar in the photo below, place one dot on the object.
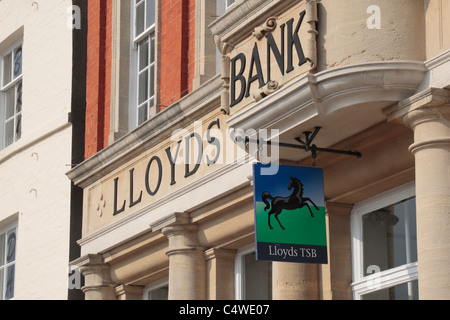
(428, 114)
(295, 281)
(187, 268)
(339, 250)
(97, 279)
(220, 274)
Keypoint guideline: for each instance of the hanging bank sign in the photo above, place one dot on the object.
(276, 52)
(290, 215)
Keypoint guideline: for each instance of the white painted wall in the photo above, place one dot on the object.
(33, 184)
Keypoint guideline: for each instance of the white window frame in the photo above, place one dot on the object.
(361, 284)
(223, 6)
(4, 87)
(149, 32)
(239, 271)
(4, 231)
(154, 286)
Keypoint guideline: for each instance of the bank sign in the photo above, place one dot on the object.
(290, 215)
(275, 53)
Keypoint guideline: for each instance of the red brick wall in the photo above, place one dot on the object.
(177, 50)
(176, 65)
(98, 76)
(191, 51)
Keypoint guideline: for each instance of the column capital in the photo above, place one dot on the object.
(127, 292)
(180, 231)
(98, 283)
(429, 105)
(219, 253)
(174, 219)
(338, 208)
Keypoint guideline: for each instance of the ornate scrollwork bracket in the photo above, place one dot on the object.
(268, 26)
(224, 48)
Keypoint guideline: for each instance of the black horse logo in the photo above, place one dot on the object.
(292, 202)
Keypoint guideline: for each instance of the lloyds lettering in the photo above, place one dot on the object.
(132, 201)
(122, 209)
(213, 141)
(172, 161)
(147, 176)
(198, 138)
(191, 154)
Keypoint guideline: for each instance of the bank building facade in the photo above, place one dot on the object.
(183, 97)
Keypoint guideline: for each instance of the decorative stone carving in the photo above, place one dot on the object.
(224, 48)
(311, 46)
(269, 88)
(268, 26)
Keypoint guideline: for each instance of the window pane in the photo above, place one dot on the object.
(142, 114)
(7, 65)
(19, 97)
(11, 251)
(18, 128)
(404, 291)
(152, 81)
(9, 132)
(143, 86)
(143, 54)
(152, 48)
(150, 13)
(17, 62)
(9, 292)
(258, 278)
(2, 277)
(390, 236)
(229, 3)
(2, 249)
(159, 294)
(9, 103)
(140, 18)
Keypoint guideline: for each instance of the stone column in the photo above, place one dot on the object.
(187, 268)
(428, 114)
(339, 249)
(295, 281)
(97, 279)
(220, 274)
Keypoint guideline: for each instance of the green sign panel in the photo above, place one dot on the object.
(290, 214)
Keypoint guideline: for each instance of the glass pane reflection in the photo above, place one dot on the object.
(390, 238)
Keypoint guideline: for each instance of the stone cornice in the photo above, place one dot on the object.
(88, 260)
(332, 90)
(408, 110)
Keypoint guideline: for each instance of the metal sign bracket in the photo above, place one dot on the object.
(307, 145)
